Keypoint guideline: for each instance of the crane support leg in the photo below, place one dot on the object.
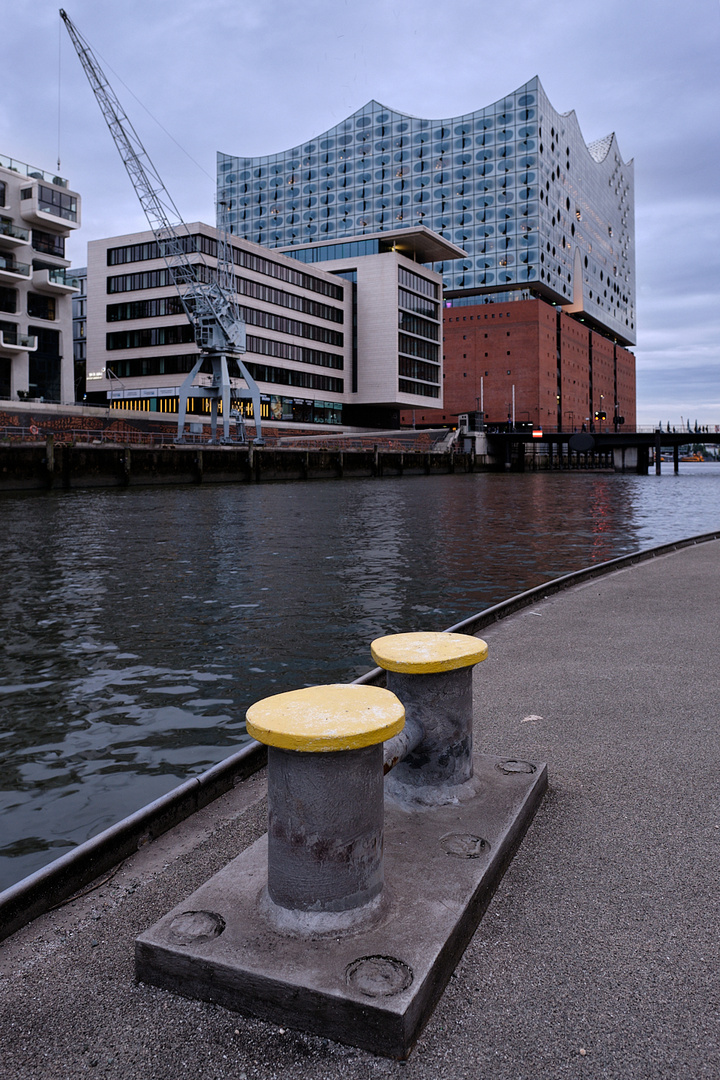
(213, 419)
(255, 395)
(183, 395)
(225, 389)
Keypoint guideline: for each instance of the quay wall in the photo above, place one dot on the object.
(68, 465)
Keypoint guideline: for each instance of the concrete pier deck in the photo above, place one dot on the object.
(599, 955)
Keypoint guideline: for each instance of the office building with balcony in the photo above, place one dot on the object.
(37, 213)
(538, 213)
(322, 338)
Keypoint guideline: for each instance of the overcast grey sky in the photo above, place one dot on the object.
(257, 77)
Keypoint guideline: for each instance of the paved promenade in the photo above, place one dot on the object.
(599, 956)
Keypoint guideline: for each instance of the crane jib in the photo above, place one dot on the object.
(207, 295)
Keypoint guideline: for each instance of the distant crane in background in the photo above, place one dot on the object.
(207, 297)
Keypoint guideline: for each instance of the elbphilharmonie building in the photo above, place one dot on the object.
(537, 210)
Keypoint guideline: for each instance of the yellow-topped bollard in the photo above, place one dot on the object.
(318, 719)
(431, 673)
(427, 653)
(325, 793)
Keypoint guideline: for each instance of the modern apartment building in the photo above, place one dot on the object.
(322, 338)
(37, 214)
(537, 212)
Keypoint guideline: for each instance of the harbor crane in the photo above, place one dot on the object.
(207, 297)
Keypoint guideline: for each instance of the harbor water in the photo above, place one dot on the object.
(137, 625)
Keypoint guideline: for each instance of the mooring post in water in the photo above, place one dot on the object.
(431, 674)
(325, 793)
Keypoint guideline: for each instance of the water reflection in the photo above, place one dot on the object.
(136, 626)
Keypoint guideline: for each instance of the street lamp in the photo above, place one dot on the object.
(571, 414)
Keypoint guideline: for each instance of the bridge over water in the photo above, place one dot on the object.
(622, 450)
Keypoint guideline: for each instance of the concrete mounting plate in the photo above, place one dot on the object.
(375, 987)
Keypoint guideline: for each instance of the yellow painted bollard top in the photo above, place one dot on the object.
(318, 719)
(427, 653)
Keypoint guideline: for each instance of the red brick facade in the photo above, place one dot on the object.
(517, 344)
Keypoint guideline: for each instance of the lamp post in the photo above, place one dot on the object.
(571, 414)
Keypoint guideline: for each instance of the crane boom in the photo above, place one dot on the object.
(210, 305)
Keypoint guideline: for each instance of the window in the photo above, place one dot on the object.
(48, 244)
(3, 193)
(8, 300)
(59, 203)
(40, 307)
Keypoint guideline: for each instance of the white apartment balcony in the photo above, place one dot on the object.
(13, 342)
(55, 282)
(12, 236)
(53, 208)
(11, 271)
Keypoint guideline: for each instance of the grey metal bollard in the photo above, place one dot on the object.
(325, 793)
(431, 673)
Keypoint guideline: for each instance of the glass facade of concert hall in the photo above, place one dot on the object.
(536, 210)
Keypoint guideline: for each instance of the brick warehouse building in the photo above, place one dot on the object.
(547, 355)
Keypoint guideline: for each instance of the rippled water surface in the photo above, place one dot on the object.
(136, 626)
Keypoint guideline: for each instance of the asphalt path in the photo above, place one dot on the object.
(599, 954)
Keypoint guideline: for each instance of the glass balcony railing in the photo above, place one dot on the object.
(12, 267)
(30, 170)
(62, 277)
(8, 229)
(14, 339)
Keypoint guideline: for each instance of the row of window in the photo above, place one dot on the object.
(152, 337)
(132, 253)
(417, 283)
(407, 387)
(282, 350)
(268, 321)
(172, 305)
(417, 304)
(143, 366)
(414, 347)
(289, 300)
(272, 406)
(149, 337)
(150, 279)
(136, 366)
(416, 369)
(144, 309)
(413, 324)
(208, 246)
(286, 377)
(286, 273)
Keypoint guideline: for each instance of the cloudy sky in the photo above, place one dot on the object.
(256, 77)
